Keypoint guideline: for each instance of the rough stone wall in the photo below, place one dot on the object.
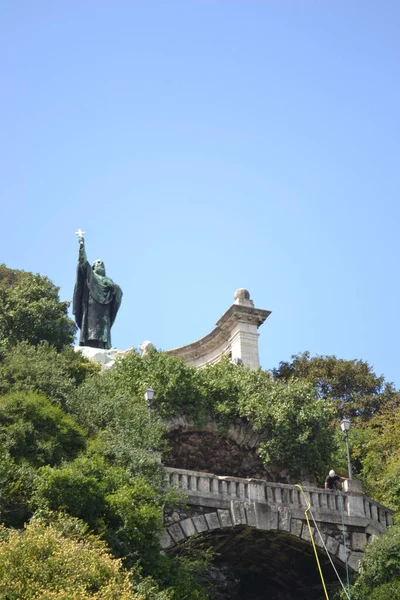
(232, 452)
(205, 451)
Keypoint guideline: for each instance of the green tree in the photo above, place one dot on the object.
(379, 577)
(43, 369)
(16, 485)
(35, 431)
(126, 509)
(30, 310)
(60, 561)
(128, 512)
(380, 457)
(351, 384)
(293, 422)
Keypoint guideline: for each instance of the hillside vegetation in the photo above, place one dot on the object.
(80, 478)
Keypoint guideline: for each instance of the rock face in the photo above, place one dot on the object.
(205, 451)
(230, 452)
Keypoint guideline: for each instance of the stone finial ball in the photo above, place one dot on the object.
(242, 294)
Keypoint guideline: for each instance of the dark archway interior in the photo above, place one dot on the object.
(250, 564)
(205, 451)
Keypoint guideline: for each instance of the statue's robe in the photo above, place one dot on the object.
(96, 302)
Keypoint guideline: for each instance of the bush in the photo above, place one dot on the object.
(30, 310)
(44, 370)
(379, 577)
(59, 561)
(34, 431)
(16, 485)
(127, 510)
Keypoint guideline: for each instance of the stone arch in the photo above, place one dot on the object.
(203, 521)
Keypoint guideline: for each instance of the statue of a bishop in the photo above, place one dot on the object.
(96, 301)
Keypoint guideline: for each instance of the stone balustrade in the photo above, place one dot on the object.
(209, 489)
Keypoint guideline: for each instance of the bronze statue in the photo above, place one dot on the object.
(96, 301)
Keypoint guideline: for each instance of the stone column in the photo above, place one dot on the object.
(354, 501)
(241, 323)
(244, 344)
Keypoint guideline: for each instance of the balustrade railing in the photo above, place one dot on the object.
(234, 488)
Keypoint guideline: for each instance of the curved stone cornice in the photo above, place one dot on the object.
(235, 335)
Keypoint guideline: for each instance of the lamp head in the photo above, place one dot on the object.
(149, 395)
(345, 425)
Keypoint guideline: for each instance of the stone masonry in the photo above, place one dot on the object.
(222, 503)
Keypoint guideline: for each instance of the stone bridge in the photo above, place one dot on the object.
(261, 525)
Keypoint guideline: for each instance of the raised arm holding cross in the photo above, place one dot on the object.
(80, 235)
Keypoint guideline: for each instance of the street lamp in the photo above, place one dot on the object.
(149, 396)
(345, 426)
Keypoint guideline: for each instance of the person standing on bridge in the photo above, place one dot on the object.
(332, 480)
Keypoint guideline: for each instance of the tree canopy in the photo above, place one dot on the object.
(292, 421)
(34, 430)
(59, 561)
(30, 310)
(379, 577)
(351, 384)
(44, 370)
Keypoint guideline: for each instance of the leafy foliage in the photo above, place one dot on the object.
(295, 425)
(30, 310)
(16, 485)
(42, 369)
(351, 384)
(380, 458)
(293, 422)
(177, 385)
(379, 577)
(35, 431)
(126, 509)
(59, 561)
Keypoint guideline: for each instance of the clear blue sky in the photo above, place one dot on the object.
(206, 145)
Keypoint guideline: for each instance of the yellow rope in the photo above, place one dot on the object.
(312, 539)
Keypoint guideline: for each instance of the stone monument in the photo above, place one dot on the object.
(96, 301)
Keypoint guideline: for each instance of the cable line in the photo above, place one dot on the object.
(329, 556)
(312, 540)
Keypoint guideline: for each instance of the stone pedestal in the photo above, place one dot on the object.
(353, 485)
(354, 501)
(104, 358)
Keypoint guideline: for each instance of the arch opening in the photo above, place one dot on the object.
(250, 564)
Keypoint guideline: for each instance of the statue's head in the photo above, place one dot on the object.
(98, 267)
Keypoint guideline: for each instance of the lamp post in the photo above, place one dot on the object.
(149, 396)
(345, 426)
